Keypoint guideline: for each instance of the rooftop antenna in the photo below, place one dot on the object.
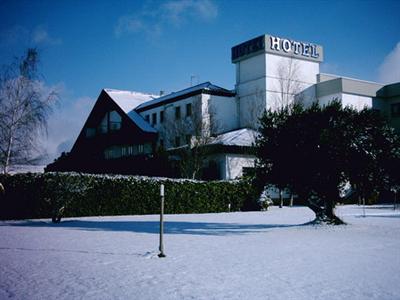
(192, 77)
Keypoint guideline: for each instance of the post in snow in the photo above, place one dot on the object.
(363, 200)
(161, 248)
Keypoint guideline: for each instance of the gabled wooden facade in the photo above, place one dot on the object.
(111, 142)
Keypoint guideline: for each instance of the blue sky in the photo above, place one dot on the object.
(150, 46)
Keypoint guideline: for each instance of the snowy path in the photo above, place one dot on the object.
(255, 255)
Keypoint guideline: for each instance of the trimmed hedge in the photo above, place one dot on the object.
(31, 195)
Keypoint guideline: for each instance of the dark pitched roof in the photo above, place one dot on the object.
(203, 88)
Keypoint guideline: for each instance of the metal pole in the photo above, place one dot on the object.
(161, 248)
(363, 199)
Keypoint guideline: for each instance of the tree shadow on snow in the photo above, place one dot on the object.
(170, 227)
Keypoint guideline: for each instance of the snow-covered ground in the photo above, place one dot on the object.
(253, 255)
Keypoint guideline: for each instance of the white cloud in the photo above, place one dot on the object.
(128, 24)
(389, 70)
(150, 20)
(40, 36)
(64, 126)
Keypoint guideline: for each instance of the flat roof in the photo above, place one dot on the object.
(203, 88)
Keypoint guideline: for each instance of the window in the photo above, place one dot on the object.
(113, 152)
(112, 121)
(90, 132)
(177, 113)
(103, 127)
(161, 116)
(154, 119)
(115, 121)
(124, 151)
(147, 149)
(177, 141)
(188, 110)
(140, 149)
(395, 110)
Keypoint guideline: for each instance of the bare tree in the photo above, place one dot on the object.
(288, 83)
(25, 104)
(188, 136)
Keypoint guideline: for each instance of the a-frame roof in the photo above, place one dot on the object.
(127, 101)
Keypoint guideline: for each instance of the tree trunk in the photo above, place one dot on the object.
(325, 214)
(280, 198)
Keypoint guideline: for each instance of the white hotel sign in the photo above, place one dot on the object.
(280, 46)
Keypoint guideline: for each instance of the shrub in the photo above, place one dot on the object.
(43, 195)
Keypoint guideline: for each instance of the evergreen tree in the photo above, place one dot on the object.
(315, 151)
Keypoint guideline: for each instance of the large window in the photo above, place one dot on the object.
(395, 110)
(115, 121)
(103, 127)
(114, 152)
(154, 119)
(111, 121)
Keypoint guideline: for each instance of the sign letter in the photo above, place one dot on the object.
(306, 47)
(275, 43)
(296, 47)
(286, 45)
(314, 52)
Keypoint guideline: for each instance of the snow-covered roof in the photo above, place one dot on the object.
(128, 100)
(140, 122)
(244, 137)
(206, 86)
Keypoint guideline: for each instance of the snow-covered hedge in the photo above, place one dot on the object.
(39, 195)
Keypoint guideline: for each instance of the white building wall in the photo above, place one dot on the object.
(325, 100)
(281, 71)
(235, 164)
(211, 114)
(224, 112)
(356, 101)
(250, 89)
(306, 70)
(171, 127)
(259, 82)
(250, 69)
(308, 96)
